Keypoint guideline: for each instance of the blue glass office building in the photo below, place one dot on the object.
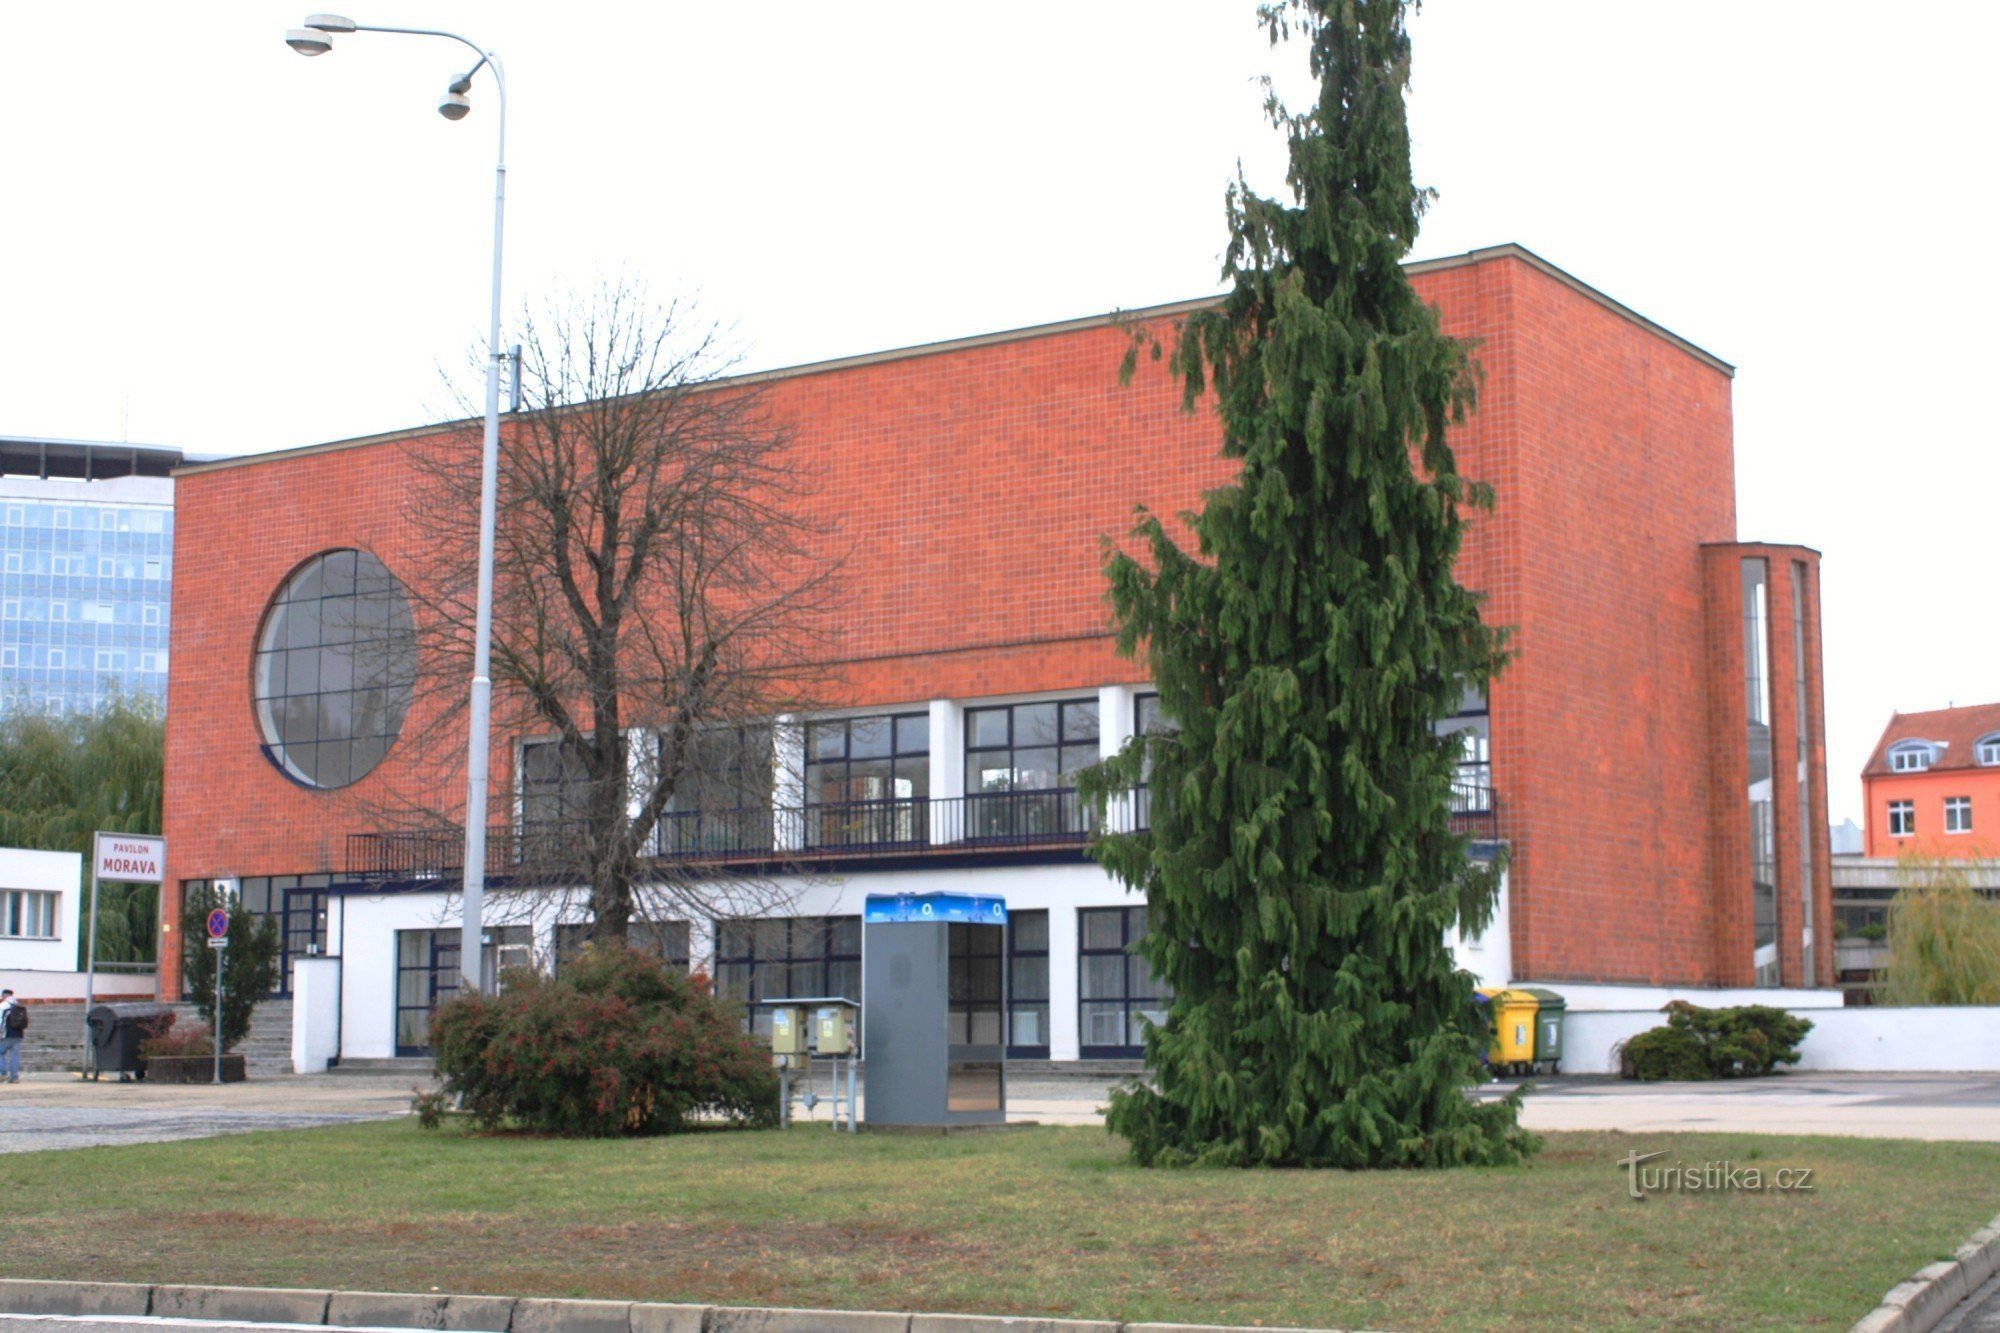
(86, 566)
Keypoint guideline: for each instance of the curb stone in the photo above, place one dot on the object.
(752, 1319)
(396, 1309)
(27, 1296)
(1007, 1323)
(558, 1316)
(507, 1314)
(1920, 1303)
(250, 1305)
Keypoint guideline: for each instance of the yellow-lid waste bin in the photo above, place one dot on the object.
(1513, 1017)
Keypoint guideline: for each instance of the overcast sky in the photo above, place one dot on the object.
(212, 243)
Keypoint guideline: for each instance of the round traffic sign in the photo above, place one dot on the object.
(218, 924)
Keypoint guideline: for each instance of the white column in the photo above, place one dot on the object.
(947, 771)
(1116, 715)
(315, 1013)
(788, 776)
(1065, 1042)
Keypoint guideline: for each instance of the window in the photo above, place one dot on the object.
(58, 612)
(1028, 985)
(1021, 762)
(15, 517)
(62, 518)
(26, 914)
(55, 659)
(1989, 751)
(787, 958)
(973, 963)
(723, 800)
(13, 562)
(153, 569)
(10, 610)
(1958, 814)
(666, 940)
(1117, 992)
(1912, 758)
(555, 788)
(10, 657)
(1902, 818)
(106, 567)
(336, 662)
(295, 904)
(867, 780)
(104, 659)
(149, 615)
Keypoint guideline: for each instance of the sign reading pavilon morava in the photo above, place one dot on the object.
(131, 859)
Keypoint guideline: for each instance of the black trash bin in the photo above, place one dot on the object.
(115, 1031)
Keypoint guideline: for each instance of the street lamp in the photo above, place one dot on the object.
(316, 39)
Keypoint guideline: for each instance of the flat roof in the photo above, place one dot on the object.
(88, 460)
(1165, 311)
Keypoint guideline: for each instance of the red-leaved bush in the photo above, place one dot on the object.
(617, 1044)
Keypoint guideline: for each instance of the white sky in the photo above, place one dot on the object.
(210, 242)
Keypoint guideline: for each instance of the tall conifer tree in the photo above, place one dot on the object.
(1300, 868)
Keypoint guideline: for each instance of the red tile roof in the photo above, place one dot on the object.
(1957, 730)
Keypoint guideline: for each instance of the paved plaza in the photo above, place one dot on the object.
(60, 1111)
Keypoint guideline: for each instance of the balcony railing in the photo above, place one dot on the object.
(1052, 818)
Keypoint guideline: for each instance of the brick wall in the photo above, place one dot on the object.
(972, 487)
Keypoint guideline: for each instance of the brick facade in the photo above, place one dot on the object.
(971, 485)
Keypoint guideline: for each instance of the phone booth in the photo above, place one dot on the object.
(934, 976)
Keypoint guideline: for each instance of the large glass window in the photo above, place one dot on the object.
(868, 780)
(778, 958)
(295, 904)
(722, 802)
(1028, 985)
(1958, 814)
(1757, 708)
(336, 661)
(1902, 818)
(1118, 994)
(667, 941)
(1021, 762)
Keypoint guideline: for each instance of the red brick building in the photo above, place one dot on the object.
(1652, 756)
(1932, 785)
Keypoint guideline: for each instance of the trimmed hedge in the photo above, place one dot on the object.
(618, 1044)
(1744, 1041)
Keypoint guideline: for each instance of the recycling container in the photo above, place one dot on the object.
(1513, 1012)
(1549, 1009)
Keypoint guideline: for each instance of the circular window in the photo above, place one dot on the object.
(336, 661)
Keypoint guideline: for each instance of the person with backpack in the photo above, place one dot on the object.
(13, 1027)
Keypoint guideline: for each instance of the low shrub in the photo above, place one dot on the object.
(172, 1038)
(618, 1044)
(1743, 1041)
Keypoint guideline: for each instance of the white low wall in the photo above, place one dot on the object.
(1866, 1040)
(315, 1014)
(32, 984)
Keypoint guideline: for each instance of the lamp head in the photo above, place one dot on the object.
(454, 105)
(330, 22)
(309, 41)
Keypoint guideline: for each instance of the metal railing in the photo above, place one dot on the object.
(1055, 817)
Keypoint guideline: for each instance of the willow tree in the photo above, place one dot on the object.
(64, 778)
(1300, 869)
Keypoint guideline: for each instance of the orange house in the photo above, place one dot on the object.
(1933, 784)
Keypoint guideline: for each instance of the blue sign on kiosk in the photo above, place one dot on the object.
(935, 907)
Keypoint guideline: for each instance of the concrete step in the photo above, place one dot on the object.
(406, 1066)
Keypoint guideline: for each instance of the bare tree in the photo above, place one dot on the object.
(660, 598)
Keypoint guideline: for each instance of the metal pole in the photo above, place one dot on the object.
(90, 970)
(480, 713)
(479, 710)
(221, 956)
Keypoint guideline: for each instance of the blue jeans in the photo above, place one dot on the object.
(10, 1057)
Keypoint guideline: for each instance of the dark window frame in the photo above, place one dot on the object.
(1132, 1004)
(798, 930)
(1016, 1002)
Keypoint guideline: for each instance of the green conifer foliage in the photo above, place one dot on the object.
(1300, 868)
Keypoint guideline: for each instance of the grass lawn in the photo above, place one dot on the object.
(1033, 1221)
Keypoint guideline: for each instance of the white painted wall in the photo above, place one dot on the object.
(1489, 956)
(315, 1013)
(1651, 999)
(1871, 1039)
(25, 965)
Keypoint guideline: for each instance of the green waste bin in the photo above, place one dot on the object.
(1549, 1009)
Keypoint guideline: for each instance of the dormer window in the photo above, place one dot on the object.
(1989, 751)
(1912, 757)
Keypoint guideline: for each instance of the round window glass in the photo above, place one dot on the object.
(336, 661)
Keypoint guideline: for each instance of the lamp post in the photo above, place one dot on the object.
(316, 39)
